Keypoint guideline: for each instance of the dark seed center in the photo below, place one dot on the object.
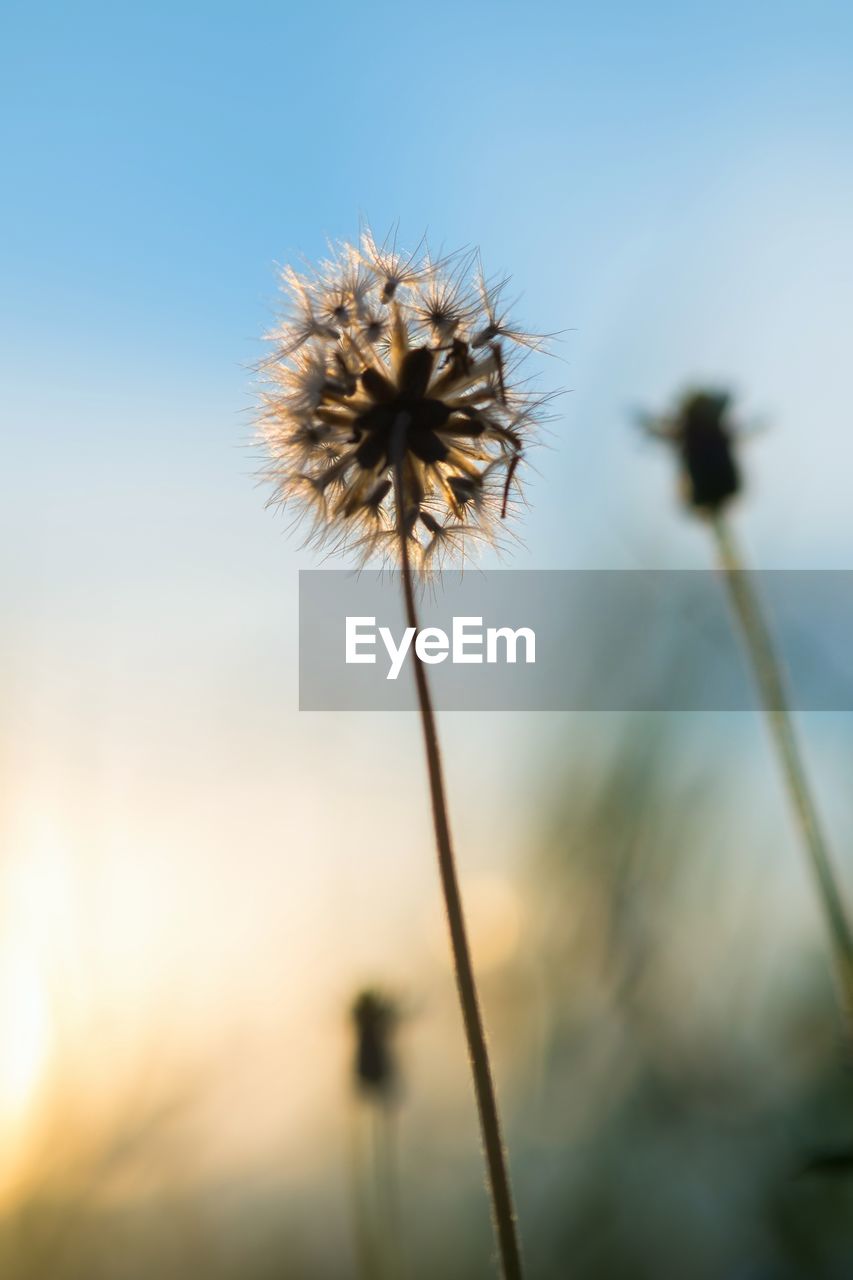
(424, 416)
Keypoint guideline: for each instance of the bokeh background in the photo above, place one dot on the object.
(195, 878)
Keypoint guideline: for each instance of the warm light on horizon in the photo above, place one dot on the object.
(36, 892)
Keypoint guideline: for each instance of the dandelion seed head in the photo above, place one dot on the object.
(393, 403)
(701, 431)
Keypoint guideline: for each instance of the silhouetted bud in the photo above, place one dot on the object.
(375, 1018)
(702, 434)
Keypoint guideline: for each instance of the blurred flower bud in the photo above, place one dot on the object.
(701, 432)
(375, 1017)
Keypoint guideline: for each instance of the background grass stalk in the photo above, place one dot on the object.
(771, 684)
(375, 1201)
(365, 1236)
(496, 1161)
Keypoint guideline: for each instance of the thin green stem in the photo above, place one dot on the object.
(375, 1201)
(484, 1089)
(771, 684)
(365, 1236)
(387, 1185)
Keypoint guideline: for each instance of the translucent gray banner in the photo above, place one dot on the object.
(600, 640)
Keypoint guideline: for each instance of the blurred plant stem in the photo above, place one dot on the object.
(771, 684)
(496, 1161)
(376, 1209)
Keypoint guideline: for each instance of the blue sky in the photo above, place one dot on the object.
(670, 184)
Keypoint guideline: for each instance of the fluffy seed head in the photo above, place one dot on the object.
(701, 431)
(392, 404)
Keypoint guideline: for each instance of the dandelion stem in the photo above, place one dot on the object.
(496, 1161)
(771, 684)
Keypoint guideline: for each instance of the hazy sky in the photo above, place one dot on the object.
(669, 184)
